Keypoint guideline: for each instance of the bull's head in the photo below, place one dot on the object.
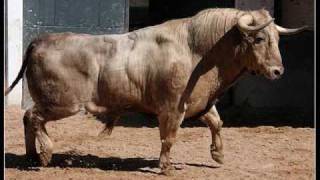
(261, 38)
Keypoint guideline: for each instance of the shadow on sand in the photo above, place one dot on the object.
(234, 117)
(67, 160)
(84, 161)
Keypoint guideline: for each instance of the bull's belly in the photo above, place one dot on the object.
(119, 93)
(152, 106)
(125, 98)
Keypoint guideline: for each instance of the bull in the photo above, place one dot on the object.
(174, 70)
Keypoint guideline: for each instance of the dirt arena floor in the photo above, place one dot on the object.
(131, 152)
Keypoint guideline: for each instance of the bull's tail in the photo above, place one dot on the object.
(22, 69)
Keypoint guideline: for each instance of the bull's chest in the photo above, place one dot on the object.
(201, 99)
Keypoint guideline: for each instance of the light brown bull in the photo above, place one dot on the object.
(174, 70)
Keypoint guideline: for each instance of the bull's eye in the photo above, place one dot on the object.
(258, 40)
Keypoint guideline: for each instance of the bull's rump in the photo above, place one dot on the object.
(62, 69)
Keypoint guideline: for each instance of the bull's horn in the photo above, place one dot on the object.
(245, 20)
(287, 31)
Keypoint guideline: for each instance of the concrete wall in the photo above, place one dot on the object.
(139, 3)
(15, 21)
(295, 13)
(255, 4)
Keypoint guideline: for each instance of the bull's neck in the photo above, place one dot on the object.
(222, 63)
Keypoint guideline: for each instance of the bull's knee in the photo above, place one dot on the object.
(166, 144)
(219, 126)
(27, 118)
(32, 119)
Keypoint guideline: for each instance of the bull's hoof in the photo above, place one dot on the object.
(45, 158)
(167, 172)
(32, 159)
(166, 169)
(217, 156)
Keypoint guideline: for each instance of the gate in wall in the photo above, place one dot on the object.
(85, 16)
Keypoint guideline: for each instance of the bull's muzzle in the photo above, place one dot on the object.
(275, 72)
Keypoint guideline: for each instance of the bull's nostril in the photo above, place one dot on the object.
(277, 72)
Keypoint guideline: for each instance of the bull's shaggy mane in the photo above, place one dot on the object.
(208, 26)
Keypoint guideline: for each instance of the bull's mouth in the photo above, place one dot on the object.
(271, 77)
(255, 72)
(266, 73)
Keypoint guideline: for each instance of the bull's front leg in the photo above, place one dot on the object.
(169, 123)
(213, 121)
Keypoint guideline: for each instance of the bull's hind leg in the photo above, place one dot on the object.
(34, 128)
(46, 145)
(30, 136)
(212, 119)
(169, 123)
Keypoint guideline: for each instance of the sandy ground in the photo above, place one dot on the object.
(132, 151)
